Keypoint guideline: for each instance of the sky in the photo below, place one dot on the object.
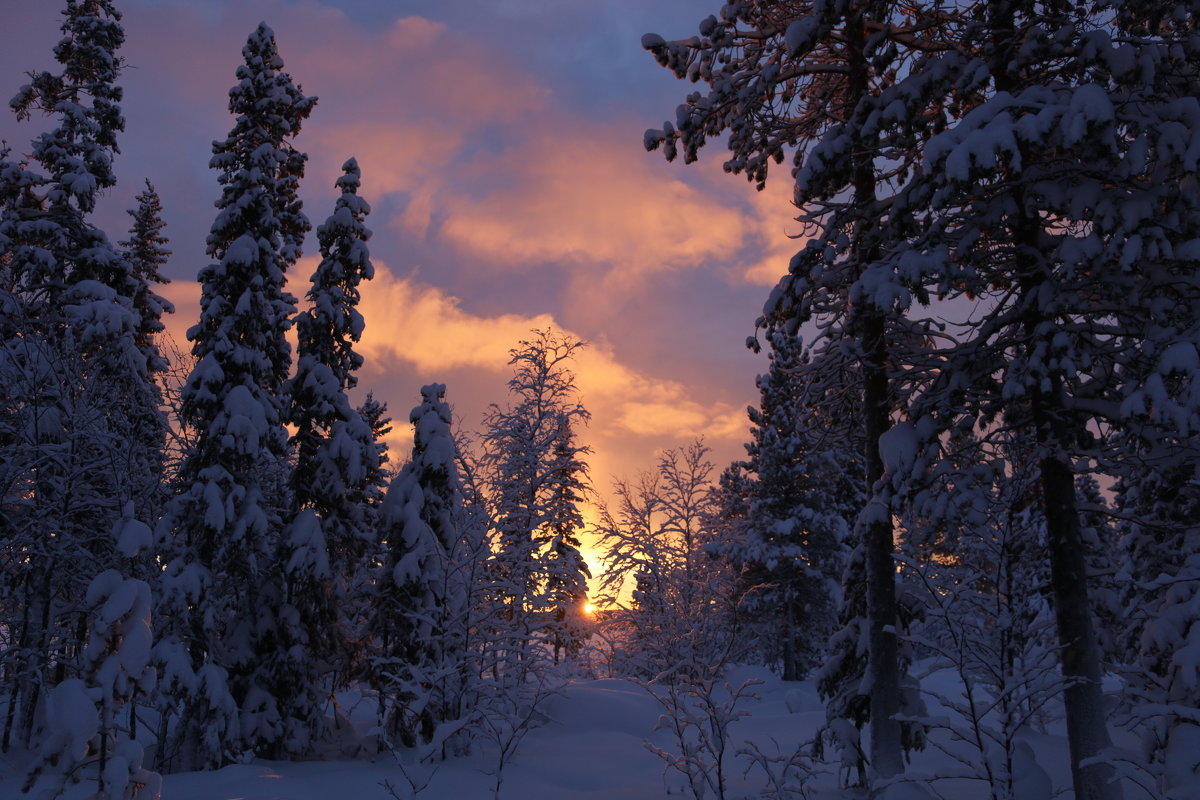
(501, 149)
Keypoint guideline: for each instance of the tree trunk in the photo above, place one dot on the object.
(883, 667)
(884, 654)
(1087, 731)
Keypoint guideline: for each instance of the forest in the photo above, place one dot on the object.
(966, 515)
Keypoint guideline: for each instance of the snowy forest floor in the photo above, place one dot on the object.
(591, 745)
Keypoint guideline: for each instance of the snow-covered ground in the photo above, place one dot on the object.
(591, 745)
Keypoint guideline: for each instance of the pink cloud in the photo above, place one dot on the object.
(588, 198)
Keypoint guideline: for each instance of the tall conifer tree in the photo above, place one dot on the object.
(222, 583)
(805, 78)
(335, 456)
(1039, 201)
(422, 600)
(147, 252)
(802, 494)
(336, 463)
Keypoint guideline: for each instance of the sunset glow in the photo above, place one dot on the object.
(490, 219)
(443, 398)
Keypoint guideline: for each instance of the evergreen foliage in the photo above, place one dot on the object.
(803, 492)
(995, 312)
(147, 253)
(807, 77)
(336, 459)
(1160, 545)
(222, 531)
(92, 719)
(421, 601)
(146, 250)
(974, 551)
(1051, 242)
(324, 548)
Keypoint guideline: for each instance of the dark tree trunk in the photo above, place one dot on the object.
(1087, 731)
(883, 667)
(884, 654)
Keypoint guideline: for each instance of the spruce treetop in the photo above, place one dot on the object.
(259, 228)
(337, 458)
(259, 169)
(78, 153)
(54, 246)
(147, 252)
(334, 321)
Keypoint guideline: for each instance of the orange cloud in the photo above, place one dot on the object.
(588, 199)
(422, 325)
(775, 226)
(416, 68)
(429, 329)
(491, 166)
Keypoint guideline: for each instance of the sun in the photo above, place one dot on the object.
(589, 609)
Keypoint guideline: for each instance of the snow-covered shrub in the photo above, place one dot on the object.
(89, 732)
(673, 593)
(787, 774)
(507, 708)
(699, 714)
(976, 552)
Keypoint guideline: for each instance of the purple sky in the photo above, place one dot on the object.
(500, 144)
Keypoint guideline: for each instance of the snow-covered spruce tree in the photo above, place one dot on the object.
(808, 77)
(804, 492)
(566, 572)
(77, 157)
(323, 551)
(147, 252)
(81, 425)
(536, 474)
(375, 414)
(336, 451)
(66, 271)
(1040, 202)
(828, 437)
(65, 285)
(222, 585)
(1157, 493)
(418, 614)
